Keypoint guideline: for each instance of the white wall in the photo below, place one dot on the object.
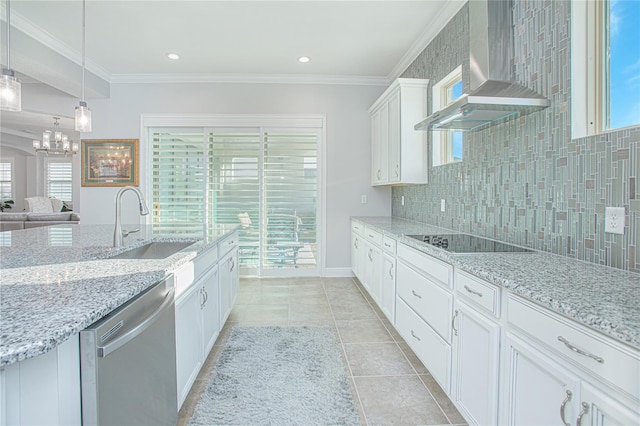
(347, 137)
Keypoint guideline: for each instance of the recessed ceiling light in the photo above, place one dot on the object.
(304, 59)
(173, 56)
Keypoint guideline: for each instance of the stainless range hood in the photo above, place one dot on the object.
(493, 94)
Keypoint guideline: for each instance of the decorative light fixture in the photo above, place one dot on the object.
(83, 113)
(10, 90)
(173, 56)
(63, 145)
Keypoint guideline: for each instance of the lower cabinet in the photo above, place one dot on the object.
(388, 287)
(476, 349)
(372, 271)
(210, 297)
(229, 279)
(599, 408)
(189, 338)
(537, 390)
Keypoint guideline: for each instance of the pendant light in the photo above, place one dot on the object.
(10, 90)
(83, 113)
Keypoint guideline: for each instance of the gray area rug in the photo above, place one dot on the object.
(278, 376)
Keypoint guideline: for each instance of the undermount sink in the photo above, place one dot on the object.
(154, 250)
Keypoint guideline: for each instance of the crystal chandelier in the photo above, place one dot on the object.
(10, 88)
(62, 145)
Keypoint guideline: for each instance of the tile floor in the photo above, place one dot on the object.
(390, 385)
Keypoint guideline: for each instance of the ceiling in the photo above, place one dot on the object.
(349, 42)
(132, 38)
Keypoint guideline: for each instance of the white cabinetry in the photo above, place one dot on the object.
(424, 305)
(476, 349)
(388, 282)
(398, 152)
(228, 283)
(597, 377)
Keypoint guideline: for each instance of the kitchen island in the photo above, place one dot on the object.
(56, 281)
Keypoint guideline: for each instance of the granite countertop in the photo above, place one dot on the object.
(602, 298)
(57, 280)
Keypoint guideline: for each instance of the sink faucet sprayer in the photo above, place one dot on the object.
(118, 233)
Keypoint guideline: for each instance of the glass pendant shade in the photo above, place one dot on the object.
(46, 138)
(57, 136)
(74, 147)
(10, 92)
(46, 144)
(36, 144)
(83, 118)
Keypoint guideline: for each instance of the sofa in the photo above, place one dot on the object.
(39, 211)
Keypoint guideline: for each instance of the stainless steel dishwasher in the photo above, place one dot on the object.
(128, 362)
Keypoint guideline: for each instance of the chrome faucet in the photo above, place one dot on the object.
(118, 233)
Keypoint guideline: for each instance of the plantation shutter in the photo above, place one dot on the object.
(235, 187)
(290, 198)
(5, 181)
(60, 180)
(178, 178)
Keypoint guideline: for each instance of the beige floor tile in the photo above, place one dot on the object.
(445, 403)
(337, 281)
(398, 401)
(413, 359)
(363, 331)
(265, 314)
(311, 314)
(376, 359)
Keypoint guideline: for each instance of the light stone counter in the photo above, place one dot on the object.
(56, 281)
(603, 298)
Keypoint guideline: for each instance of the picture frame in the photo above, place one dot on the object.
(110, 162)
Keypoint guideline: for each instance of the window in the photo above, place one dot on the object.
(60, 180)
(6, 180)
(261, 178)
(447, 144)
(605, 66)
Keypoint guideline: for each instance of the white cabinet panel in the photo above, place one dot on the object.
(210, 304)
(434, 352)
(388, 290)
(188, 340)
(601, 409)
(538, 391)
(398, 152)
(229, 278)
(476, 347)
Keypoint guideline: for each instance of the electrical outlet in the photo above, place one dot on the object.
(442, 205)
(614, 220)
(363, 199)
(402, 200)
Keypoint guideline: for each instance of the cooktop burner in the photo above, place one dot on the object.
(463, 243)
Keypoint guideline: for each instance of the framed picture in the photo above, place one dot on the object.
(110, 162)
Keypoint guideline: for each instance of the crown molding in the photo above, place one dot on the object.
(24, 25)
(447, 12)
(251, 79)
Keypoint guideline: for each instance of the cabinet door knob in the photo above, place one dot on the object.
(585, 410)
(453, 322)
(472, 291)
(416, 294)
(391, 272)
(562, 407)
(414, 336)
(580, 351)
(379, 173)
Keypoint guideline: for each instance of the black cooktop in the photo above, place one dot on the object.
(463, 243)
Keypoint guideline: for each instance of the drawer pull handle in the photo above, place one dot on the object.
(391, 272)
(472, 291)
(414, 336)
(397, 170)
(453, 322)
(355, 243)
(370, 255)
(416, 294)
(585, 409)
(379, 173)
(580, 351)
(563, 405)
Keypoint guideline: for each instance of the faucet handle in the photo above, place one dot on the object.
(125, 234)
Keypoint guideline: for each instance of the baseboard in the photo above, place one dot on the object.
(337, 272)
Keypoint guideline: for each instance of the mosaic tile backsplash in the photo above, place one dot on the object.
(525, 181)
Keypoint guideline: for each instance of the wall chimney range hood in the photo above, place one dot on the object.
(493, 94)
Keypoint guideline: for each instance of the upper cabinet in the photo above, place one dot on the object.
(398, 152)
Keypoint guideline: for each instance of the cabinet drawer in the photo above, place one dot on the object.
(389, 244)
(432, 302)
(357, 227)
(228, 243)
(434, 352)
(440, 271)
(205, 261)
(603, 357)
(481, 293)
(373, 236)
